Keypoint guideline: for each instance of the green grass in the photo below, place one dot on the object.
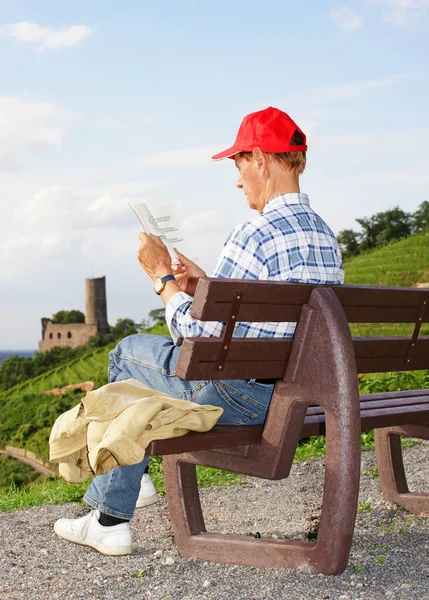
(206, 476)
(15, 473)
(27, 420)
(401, 264)
(54, 490)
(46, 491)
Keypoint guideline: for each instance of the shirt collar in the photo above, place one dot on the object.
(294, 198)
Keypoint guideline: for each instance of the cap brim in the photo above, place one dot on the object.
(226, 153)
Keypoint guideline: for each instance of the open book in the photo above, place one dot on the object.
(160, 221)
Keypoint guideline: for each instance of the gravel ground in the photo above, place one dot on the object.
(389, 556)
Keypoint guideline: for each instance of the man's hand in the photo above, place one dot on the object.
(187, 274)
(153, 256)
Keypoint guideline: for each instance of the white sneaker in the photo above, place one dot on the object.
(87, 531)
(147, 495)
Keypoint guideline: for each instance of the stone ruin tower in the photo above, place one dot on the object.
(96, 304)
(77, 334)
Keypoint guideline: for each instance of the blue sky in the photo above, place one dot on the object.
(101, 103)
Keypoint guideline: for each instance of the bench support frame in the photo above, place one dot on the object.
(391, 470)
(321, 370)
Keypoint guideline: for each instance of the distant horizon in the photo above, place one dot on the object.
(3, 350)
(18, 352)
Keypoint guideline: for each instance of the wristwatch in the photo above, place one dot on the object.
(159, 284)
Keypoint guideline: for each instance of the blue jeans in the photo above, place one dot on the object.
(152, 360)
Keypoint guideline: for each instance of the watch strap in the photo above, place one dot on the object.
(166, 278)
(160, 283)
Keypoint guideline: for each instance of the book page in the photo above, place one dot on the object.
(169, 225)
(160, 221)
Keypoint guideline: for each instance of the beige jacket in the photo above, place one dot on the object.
(112, 427)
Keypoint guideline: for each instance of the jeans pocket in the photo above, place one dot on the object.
(236, 410)
(192, 394)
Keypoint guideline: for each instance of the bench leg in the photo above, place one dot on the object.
(183, 500)
(391, 471)
(329, 555)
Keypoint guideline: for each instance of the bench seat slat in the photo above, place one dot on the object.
(416, 414)
(227, 436)
(386, 404)
(220, 436)
(389, 395)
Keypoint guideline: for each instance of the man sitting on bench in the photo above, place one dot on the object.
(286, 241)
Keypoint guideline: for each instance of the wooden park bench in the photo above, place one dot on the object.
(316, 393)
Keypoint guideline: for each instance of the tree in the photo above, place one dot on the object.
(383, 227)
(157, 315)
(99, 341)
(15, 369)
(43, 361)
(420, 218)
(124, 327)
(68, 316)
(349, 242)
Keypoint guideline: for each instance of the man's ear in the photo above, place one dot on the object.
(260, 158)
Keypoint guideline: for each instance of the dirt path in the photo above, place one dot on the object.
(28, 461)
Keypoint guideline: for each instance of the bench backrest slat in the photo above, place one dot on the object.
(266, 358)
(252, 358)
(282, 301)
(245, 359)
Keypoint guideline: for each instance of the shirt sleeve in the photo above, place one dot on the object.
(241, 258)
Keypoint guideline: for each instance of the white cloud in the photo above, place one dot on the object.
(58, 224)
(411, 175)
(46, 38)
(25, 126)
(370, 148)
(203, 222)
(109, 208)
(59, 208)
(57, 220)
(183, 157)
(403, 13)
(50, 206)
(346, 18)
(348, 91)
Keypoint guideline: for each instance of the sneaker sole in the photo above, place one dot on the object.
(106, 550)
(141, 503)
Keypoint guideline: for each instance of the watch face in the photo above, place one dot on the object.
(158, 285)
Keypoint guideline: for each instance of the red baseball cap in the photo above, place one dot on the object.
(270, 129)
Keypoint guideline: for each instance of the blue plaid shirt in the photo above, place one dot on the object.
(287, 242)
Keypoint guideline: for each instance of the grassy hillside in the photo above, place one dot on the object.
(28, 413)
(89, 367)
(402, 264)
